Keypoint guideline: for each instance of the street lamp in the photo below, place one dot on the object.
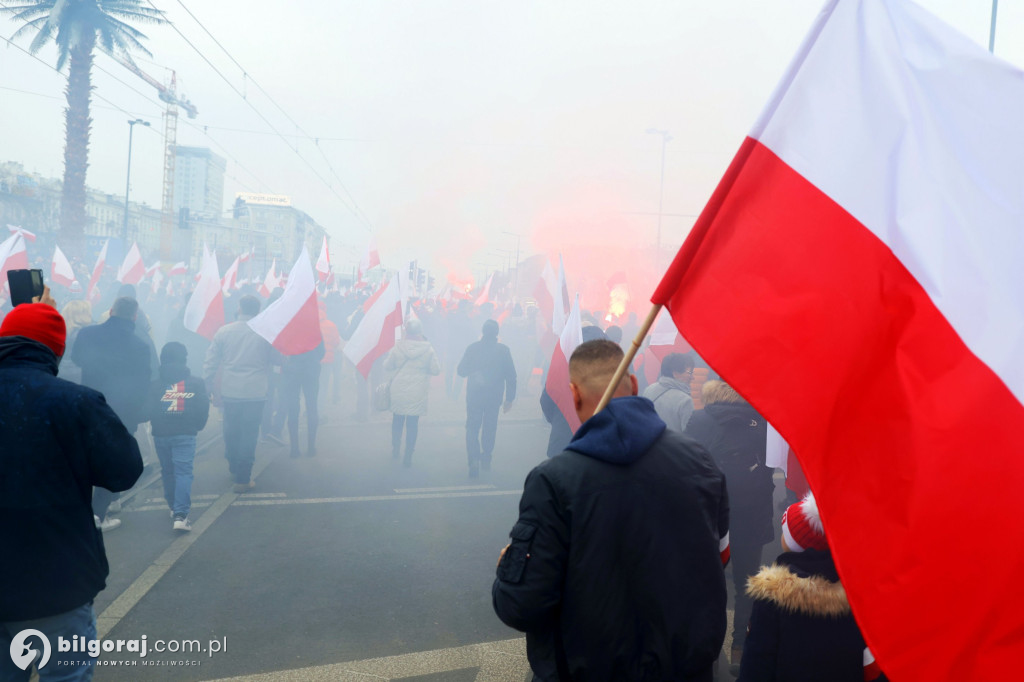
(665, 139)
(128, 180)
(992, 30)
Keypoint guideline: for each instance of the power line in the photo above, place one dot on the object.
(262, 117)
(316, 141)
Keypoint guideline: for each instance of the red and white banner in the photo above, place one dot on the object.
(557, 384)
(91, 292)
(132, 268)
(857, 276)
(231, 276)
(204, 313)
(379, 328)
(271, 281)
(292, 323)
(178, 269)
(60, 269)
(323, 263)
(13, 256)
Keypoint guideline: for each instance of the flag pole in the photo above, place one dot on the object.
(628, 358)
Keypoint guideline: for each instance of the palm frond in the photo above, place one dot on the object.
(43, 37)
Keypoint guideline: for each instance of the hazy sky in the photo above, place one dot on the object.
(452, 121)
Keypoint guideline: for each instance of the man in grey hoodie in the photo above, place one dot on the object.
(671, 393)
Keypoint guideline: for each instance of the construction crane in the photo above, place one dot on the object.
(169, 95)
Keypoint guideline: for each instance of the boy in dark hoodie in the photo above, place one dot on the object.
(615, 571)
(178, 410)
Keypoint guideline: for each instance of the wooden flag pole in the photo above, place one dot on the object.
(624, 365)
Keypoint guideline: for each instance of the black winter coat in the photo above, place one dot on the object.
(801, 628)
(490, 371)
(59, 440)
(116, 363)
(614, 570)
(735, 435)
(178, 402)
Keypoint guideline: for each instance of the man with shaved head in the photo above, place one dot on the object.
(615, 566)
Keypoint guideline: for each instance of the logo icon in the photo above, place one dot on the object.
(22, 654)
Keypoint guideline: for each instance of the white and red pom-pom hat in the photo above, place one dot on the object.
(801, 526)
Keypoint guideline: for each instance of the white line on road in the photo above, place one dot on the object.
(242, 502)
(449, 489)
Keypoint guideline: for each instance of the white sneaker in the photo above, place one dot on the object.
(107, 524)
(182, 525)
(115, 507)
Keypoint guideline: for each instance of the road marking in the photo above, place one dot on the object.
(157, 500)
(444, 490)
(162, 505)
(503, 661)
(127, 600)
(374, 498)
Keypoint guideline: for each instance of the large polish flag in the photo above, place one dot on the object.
(270, 282)
(857, 276)
(60, 268)
(379, 328)
(204, 313)
(97, 272)
(132, 268)
(557, 384)
(292, 323)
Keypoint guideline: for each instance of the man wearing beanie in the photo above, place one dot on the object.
(801, 626)
(491, 375)
(116, 363)
(59, 441)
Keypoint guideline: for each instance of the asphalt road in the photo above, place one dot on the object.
(343, 566)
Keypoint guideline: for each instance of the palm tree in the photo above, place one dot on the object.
(76, 26)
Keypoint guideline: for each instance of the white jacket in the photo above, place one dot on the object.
(413, 363)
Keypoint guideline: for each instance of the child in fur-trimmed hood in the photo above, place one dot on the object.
(801, 627)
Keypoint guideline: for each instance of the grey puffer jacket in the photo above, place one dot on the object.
(413, 363)
(672, 402)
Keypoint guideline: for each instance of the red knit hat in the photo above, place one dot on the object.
(39, 322)
(801, 526)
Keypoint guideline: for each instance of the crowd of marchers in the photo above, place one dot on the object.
(617, 567)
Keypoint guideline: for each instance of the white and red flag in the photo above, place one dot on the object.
(557, 384)
(13, 256)
(369, 261)
(132, 268)
(204, 313)
(271, 281)
(485, 294)
(857, 276)
(29, 236)
(560, 307)
(60, 269)
(178, 269)
(231, 276)
(323, 263)
(158, 278)
(152, 270)
(379, 328)
(91, 292)
(292, 323)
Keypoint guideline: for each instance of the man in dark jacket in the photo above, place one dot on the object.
(179, 407)
(116, 363)
(735, 435)
(491, 374)
(615, 566)
(59, 441)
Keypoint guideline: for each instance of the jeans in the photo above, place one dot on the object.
(481, 428)
(411, 424)
(176, 453)
(301, 383)
(63, 666)
(241, 430)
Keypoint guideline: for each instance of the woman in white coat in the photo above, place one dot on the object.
(412, 362)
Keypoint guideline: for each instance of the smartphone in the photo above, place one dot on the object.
(24, 285)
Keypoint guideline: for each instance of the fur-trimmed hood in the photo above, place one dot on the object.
(813, 595)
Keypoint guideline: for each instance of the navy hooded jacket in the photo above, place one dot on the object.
(614, 570)
(59, 440)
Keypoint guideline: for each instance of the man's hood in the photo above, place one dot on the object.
(22, 351)
(672, 382)
(620, 433)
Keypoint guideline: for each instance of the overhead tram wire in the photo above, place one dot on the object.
(263, 118)
(132, 114)
(358, 212)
